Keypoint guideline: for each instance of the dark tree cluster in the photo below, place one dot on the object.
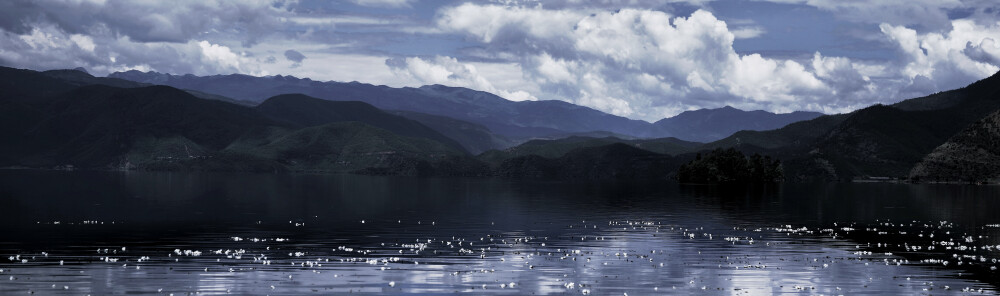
(730, 166)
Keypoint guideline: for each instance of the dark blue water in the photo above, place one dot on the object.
(100, 233)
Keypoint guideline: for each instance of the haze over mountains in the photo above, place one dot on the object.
(68, 117)
(513, 120)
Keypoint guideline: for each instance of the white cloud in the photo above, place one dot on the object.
(965, 53)
(748, 32)
(83, 42)
(40, 40)
(48, 47)
(337, 67)
(156, 21)
(639, 63)
(219, 55)
(649, 64)
(987, 51)
(449, 71)
(487, 23)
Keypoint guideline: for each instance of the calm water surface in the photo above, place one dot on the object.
(103, 233)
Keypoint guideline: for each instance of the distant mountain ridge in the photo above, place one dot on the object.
(519, 119)
(706, 125)
(523, 120)
(68, 117)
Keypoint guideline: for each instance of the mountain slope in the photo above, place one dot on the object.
(473, 137)
(164, 128)
(79, 77)
(793, 135)
(972, 155)
(305, 111)
(95, 126)
(875, 141)
(25, 86)
(344, 146)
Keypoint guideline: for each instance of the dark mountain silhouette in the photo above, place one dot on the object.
(49, 122)
(342, 147)
(97, 125)
(518, 121)
(26, 86)
(875, 141)
(69, 117)
(473, 137)
(304, 111)
(80, 77)
(164, 128)
(793, 135)
(972, 155)
(559, 147)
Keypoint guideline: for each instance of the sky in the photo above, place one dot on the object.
(642, 59)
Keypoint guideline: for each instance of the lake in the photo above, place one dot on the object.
(103, 233)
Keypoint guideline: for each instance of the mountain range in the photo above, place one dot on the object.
(516, 121)
(68, 117)
(50, 121)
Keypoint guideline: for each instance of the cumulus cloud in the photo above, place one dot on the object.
(950, 60)
(987, 51)
(650, 64)
(148, 21)
(48, 47)
(449, 71)
(644, 63)
(111, 35)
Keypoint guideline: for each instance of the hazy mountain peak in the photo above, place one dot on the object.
(706, 125)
